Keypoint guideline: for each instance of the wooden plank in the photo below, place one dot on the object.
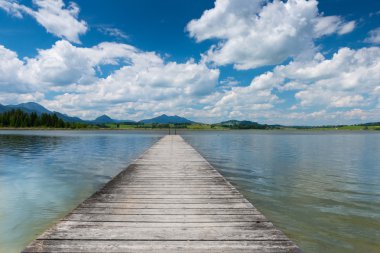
(166, 192)
(166, 206)
(125, 199)
(171, 234)
(166, 218)
(162, 246)
(169, 196)
(170, 211)
(174, 187)
(131, 224)
(169, 200)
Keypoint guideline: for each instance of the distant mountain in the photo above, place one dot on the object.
(165, 119)
(243, 124)
(3, 108)
(370, 124)
(238, 122)
(104, 119)
(30, 107)
(27, 107)
(39, 109)
(68, 118)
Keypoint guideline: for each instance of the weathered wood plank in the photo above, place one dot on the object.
(162, 246)
(169, 200)
(131, 224)
(125, 199)
(174, 187)
(166, 218)
(170, 234)
(172, 211)
(166, 192)
(169, 196)
(166, 206)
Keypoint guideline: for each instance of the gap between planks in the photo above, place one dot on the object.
(169, 200)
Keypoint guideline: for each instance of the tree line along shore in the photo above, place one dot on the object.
(18, 119)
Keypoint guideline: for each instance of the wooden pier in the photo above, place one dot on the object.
(169, 200)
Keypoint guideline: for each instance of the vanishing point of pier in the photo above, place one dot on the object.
(169, 200)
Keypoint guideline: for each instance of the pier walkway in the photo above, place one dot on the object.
(169, 200)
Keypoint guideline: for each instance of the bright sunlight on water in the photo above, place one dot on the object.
(321, 188)
(45, 174)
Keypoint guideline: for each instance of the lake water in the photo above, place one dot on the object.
(45, 174)
(321, 188)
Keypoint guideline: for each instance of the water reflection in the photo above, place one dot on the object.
(321, 188)
(44, 174)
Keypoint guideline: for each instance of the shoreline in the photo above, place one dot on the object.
(184, 129)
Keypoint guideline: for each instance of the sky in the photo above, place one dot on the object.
(293, 62)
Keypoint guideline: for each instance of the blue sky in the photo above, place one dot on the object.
(287, 62)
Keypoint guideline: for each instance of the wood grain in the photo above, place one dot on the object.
(169, 200)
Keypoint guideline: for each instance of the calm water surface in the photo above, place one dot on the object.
(321, 188)
(45, 174)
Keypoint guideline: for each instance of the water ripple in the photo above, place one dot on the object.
(321, 188)
(44, 174)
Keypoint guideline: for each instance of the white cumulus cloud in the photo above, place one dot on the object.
(263, 33)
(345, 85)
(9, 67)
(142, 81)
(349, 79)
(65, 64)
(53, 15)
(374, 36)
